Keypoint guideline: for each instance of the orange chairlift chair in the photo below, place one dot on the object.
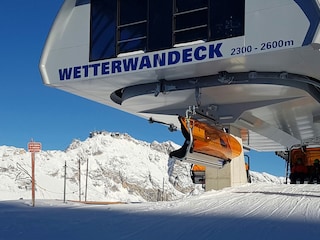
(198, 174)
(205, 144)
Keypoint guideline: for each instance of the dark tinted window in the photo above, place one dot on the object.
(120, 26)
(132, 28)
(159, 25)
(103, 29)
(226, 18)
(190, 20)
(186, 5)
(132, 11)
(132, 38)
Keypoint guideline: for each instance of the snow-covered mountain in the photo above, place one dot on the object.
(120, 168)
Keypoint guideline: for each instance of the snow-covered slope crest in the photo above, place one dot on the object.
(120, 168)
(263, 177)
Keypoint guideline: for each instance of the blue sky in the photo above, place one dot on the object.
(30, 110)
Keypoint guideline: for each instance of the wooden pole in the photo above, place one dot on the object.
(33, 178)
(65, 182)
(85, 195)
(79, 180)
(33, 147)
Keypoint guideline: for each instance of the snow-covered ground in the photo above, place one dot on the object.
(255, 211)
(140, 175)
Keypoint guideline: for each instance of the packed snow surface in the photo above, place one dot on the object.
(255, 211)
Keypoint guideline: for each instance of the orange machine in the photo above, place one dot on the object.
(205, 144)
(198, 174)
(308, 159)
(308, 155)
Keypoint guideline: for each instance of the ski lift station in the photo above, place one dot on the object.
(232, 75)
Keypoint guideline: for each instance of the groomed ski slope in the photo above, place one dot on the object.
(254, 211)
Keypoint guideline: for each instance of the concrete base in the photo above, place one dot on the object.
(232, 174)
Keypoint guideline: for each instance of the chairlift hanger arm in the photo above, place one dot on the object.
(171, 126)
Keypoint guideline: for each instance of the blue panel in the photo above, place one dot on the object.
(312, 12)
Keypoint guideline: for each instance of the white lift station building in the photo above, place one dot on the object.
(250, 67)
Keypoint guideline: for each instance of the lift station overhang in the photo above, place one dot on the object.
(263, 80)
